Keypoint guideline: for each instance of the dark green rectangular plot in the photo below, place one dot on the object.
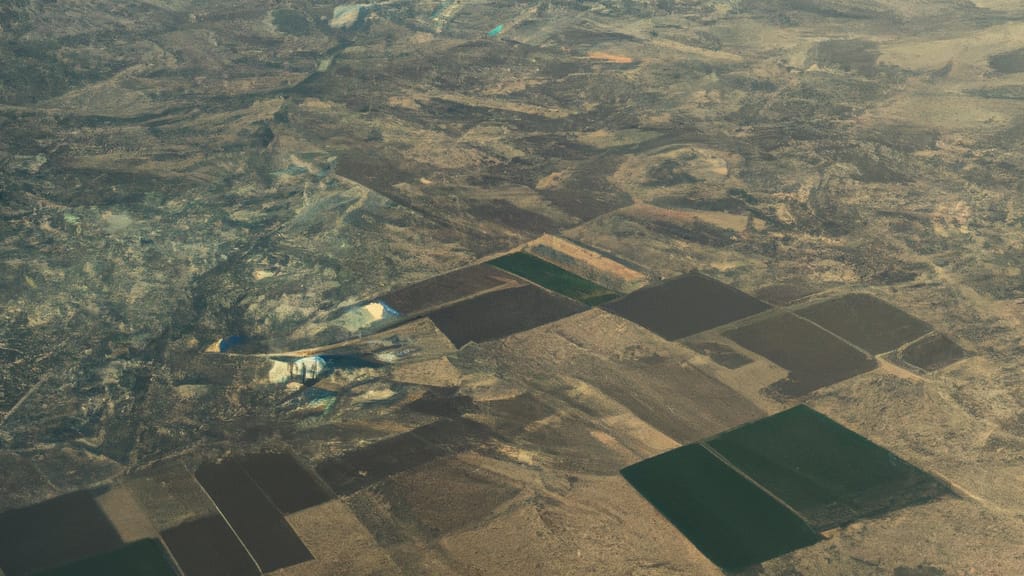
(546, 274)
(142, 558)
(732, 521)
(827, 473)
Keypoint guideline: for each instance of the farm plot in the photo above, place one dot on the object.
(495, 315)
(553, 278)
(258, 524)
(53, 533)
(141, 558)
(829, 474)
(446, 288)
(288, 485)
(685, 305)
(208, 547)
(931, 353)
(732, 521)
(814, 357)
(872, 324)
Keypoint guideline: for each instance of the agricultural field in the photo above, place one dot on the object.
(930, 353)
(41, 537)
(732, 521)
(447, 288)
(314, 288)
(685, 305)
(207, 546)
(498, 314)
(867, 322)
(141, 558)
(284, 481)
(258, 524)
(769, 487)
(828, 474)
(814, 357)
(553, 278)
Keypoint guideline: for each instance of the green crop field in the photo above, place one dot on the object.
(727, 517)
(554, 278)
(827, 473)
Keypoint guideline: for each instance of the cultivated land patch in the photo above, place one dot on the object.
(872, 324)
(829, 474)
(685, 305)
(285, 482)
(814, 357)
(498, 314)
(554, 278)
(208, 547)
(440, 290)
(362, 467)
(732, 521)
(259, 525)
(587, 263)
(932, 352)
(53, 533)
(141, 558)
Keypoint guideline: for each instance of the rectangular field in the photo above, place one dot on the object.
(732, 521)
(498, 314)
(208, 547)
(932, 352)
(586, 262)
(872, 324)
(440, 290)
(813, 357)
(286, 482)
(362, 467)
(259, 525)
(685, 305)
(53, 533)
(140, 558)
(830, 475)
(553, 278)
